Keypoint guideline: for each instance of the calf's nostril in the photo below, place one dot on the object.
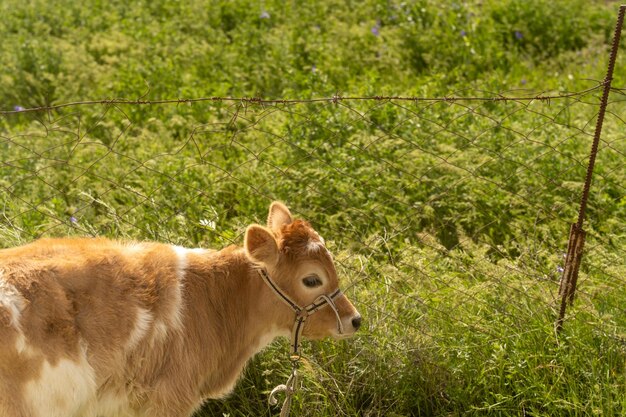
(356, 322)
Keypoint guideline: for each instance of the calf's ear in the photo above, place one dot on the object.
(279, 215)
(260, 245)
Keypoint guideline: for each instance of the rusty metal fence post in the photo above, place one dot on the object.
(576, 243)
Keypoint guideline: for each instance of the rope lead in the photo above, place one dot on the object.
(289, 389)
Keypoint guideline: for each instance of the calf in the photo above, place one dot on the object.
(93, 327)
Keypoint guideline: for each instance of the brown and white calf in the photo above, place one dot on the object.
(93, 327)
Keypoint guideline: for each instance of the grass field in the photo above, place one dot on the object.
(448, 220)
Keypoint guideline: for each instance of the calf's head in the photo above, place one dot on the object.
(295, 257)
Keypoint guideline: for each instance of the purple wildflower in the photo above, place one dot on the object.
(73, 220)
(376, 28)
(18, 108)
(523, 81)
(463, 33)
(518, 34)
(559, 268)
(264, 15)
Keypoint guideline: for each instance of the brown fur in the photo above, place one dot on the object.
(92, 327)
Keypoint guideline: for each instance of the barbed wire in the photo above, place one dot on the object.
(541, 97)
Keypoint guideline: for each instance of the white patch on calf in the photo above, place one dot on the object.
(174, 317)
(142, 325)
(61, 390)
(181, 254)
(314, 246)
(12, 300)
(20, 342)
(317, 245)
(176, 314)
(160, 330)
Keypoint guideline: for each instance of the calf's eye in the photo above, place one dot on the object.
(312, 281)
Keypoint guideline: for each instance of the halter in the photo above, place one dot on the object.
(302, 313)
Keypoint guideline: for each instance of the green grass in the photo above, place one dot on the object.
(448, 220)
